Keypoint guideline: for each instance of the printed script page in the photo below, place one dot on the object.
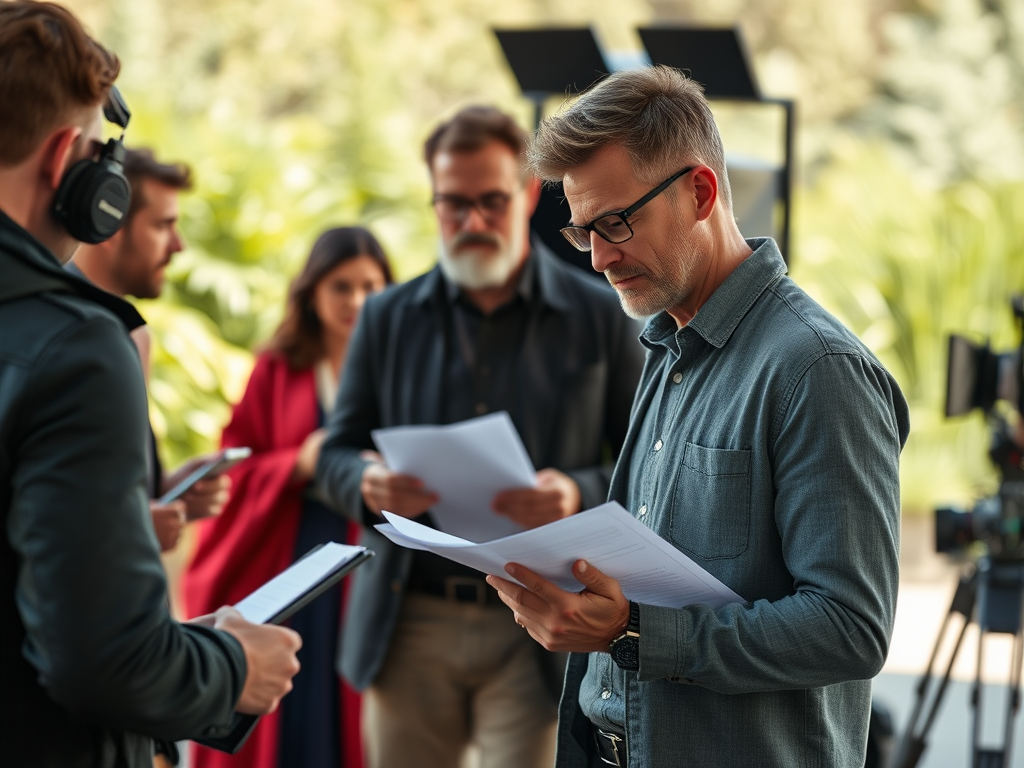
(649, 569)
(466, 464)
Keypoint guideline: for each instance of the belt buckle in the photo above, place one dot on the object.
(615, 740)
(453, 583)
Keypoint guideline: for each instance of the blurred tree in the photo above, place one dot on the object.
(951, 89)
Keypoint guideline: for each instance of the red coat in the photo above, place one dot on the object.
(253, 539)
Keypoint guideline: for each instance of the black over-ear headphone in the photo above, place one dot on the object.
(93, 197)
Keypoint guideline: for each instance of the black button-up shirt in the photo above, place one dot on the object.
(484, 352)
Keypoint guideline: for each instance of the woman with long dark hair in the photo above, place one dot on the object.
(273, 515)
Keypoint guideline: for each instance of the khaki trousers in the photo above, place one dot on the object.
(456, 675)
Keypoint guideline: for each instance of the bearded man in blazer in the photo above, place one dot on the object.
(499, 325)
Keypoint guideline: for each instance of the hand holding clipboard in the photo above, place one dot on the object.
(277, 600)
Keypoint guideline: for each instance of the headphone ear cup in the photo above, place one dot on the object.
(92, 200)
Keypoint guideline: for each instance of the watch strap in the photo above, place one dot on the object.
(625, 649)
(634, 617)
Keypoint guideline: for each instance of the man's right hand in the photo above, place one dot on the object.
(269, 657)
(402, 495)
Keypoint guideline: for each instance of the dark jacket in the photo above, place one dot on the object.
(580, 364)
(92, 666)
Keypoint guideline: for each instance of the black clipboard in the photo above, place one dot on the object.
(242, 725)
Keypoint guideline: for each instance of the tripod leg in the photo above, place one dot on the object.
(1000, 610)
(1013, 705)
(980, 758)
(999, 758)
(913, 743)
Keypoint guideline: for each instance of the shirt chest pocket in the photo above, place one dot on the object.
(711, 504)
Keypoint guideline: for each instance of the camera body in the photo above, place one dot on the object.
(979, 378)
(994, 521)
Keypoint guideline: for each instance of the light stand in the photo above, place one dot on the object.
(553, 61)
(546, 63)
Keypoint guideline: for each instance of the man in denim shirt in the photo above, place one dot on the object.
(764, 443)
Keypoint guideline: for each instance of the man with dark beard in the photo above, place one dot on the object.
(499, 325)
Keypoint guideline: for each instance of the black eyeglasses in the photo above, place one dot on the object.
(456, 208)
(614, 227)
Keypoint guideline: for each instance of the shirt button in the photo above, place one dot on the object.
(677, 377)
(642, 511)
(606, 694)
(481, 408)
(658, 445)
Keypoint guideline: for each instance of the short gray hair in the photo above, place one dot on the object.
(657, 114)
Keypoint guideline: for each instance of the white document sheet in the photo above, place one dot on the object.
(294, 582)
(649, 569)
(466, 464)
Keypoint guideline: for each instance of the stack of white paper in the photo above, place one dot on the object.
(467, 464)
(649, 569)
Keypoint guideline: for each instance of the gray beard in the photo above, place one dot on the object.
(477, 270)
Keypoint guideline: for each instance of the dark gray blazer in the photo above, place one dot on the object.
(581, 362)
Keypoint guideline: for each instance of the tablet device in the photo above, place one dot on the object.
(221, 462)
(277, 600)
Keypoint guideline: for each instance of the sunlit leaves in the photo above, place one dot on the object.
(904, 265)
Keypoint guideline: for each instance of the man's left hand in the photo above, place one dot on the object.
(556, 496)
(566, 621)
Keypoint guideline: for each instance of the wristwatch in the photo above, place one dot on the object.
(625, 649)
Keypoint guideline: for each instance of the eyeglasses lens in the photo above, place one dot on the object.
(578, 237)
(493, 203)
(456, 208)
(613, 228)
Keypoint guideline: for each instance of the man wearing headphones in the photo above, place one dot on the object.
(132, 262)
(92, 667)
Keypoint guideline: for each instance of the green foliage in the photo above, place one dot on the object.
(951, 87)
(905, 265)
(194, 374)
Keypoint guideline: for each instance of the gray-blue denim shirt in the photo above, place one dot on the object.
(764, 443)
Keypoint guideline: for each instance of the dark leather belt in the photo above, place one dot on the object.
(611, 746)
(457, 589)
